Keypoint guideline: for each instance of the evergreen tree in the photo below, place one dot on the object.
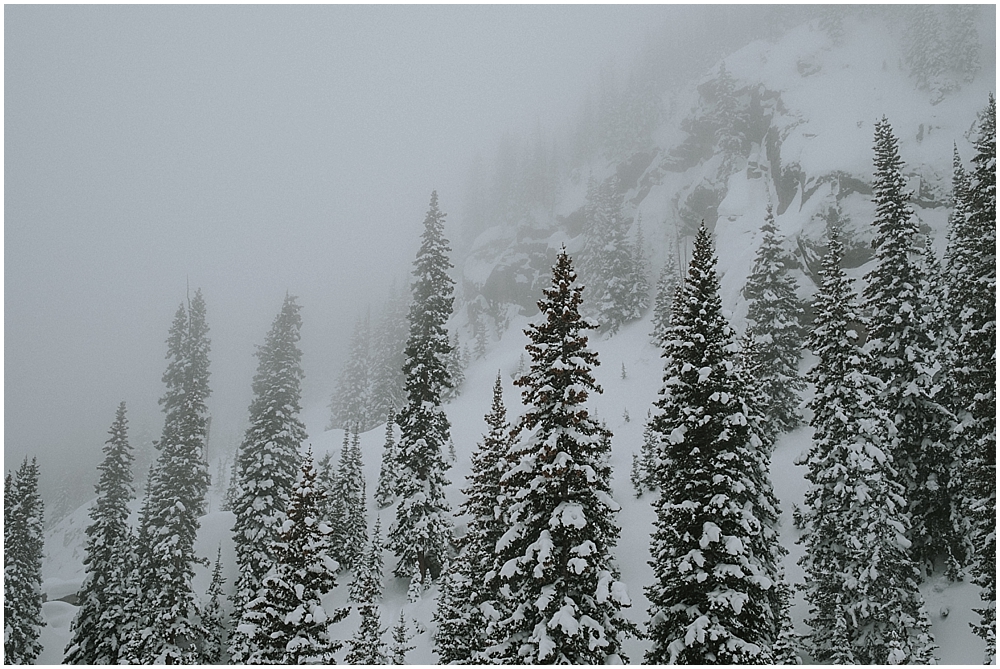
(666, 293)
(286, 623)
(22, 586)
(904, 358)
(91, 640)
(349, 525)
(138, 580)
(974, 373)
(268, 458)
(213, 619)
(171, 631)
(421, 533)
(775, 313)
(565, 597)
(387, 477)
(716, 599)
(861, 582)
(400, 639)
(367, 647)
(351, 404)
(461, 625)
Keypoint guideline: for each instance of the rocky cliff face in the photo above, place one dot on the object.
(788, 122)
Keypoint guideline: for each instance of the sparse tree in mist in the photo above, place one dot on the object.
(347, 516)
(905, 358)
(388, 383)
(864, 605)
(351, 404)
(715, 551)
(268, 459)
(23, 542)
(388, 481)
(562, 596)
(95, 636)
(774, 314)
(421, 533)
(666, 295)
(213, 618)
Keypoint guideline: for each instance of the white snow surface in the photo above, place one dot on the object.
(837, 107)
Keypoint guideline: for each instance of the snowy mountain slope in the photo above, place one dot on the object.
(813, 105)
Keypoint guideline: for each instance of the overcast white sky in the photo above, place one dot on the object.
(250, 150)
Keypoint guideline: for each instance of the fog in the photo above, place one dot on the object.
(246, 151)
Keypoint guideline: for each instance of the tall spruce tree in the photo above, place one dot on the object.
(171, 630)
(366, 646)
(94, 633)
(388, 383)
(716, 599)
(774, 313)
(286, 623)
(861, 583)
(22, 562)
(421, 533)
(461, 624)
(973, 291)
(563, 596)
(904, 358)
(268, 459)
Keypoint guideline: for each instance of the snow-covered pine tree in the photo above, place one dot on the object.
(351, 403)
(137, 581)
(905, 359)
(638, 279)
(422, 530)
(716, 599)
(171, 631)
(974, 372)
(213, 619)
(861, 583)
(22, 584)
(91, 641)
(458, 360)
(563, 597)
(366, 646)
(400, 639)
(385, 493)
(461, 625)
(349, 523)
(268, 459)
(774, 311)
(666, 294)
(286, 623)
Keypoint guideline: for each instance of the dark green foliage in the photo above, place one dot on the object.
(716, 599)
(666, 293)
(95, 632)
(268, 459)
(421, 533)
(861, 583)
(22, 563)
(562, 597)
(905, 359)
(774, 313)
